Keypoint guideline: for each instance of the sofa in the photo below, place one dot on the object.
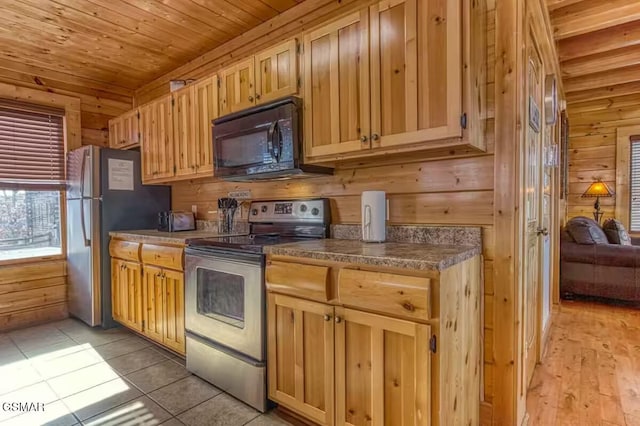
(599, 262)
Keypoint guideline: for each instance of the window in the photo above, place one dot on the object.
(31, 180)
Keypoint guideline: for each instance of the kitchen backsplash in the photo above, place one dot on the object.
(450, 235)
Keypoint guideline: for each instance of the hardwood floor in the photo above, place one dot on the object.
(590, 373)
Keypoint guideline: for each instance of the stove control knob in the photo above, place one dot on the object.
(263, 209)
(254, 212)
(315, 211)
(303, 208)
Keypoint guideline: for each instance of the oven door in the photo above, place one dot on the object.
(225, 300)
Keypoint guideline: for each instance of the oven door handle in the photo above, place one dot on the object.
(227, 255)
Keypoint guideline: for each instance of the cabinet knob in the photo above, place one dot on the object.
(338, 320)
(375, 137)
(363, 139)
(327, 317)
(257, 96)
(250, 98)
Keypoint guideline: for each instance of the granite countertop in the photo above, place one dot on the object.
(155, 236)
(393, 254)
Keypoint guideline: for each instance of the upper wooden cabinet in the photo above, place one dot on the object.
(277, 72)
(124, 130)
(176, 133)
(237, 87)
(206, 110)
(156, 124)
(399, 75)
(336, 81)
(271, 74)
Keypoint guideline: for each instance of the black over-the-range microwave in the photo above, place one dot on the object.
(262, 143)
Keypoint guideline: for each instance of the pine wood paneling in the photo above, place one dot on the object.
(115, 47)
(592, 144)
(31, 293)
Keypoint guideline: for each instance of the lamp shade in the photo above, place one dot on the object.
(598, 189)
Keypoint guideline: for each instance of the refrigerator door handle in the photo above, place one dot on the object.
(83, 225)
(83, 169)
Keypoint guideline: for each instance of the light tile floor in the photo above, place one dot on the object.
(108, 378)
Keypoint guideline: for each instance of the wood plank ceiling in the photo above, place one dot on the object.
(598, 47)
(112, 47)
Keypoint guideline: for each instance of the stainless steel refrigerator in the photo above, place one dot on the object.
(104, 193)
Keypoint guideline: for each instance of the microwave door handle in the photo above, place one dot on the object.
(270, 133)
(277, 148)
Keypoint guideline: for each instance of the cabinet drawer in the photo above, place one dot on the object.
(298, 279)
(126, 250)
(399, 295)
(165, 256)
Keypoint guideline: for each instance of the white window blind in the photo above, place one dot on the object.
(635, 186)
(31, 144)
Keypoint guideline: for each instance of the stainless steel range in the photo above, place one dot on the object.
(225, 297)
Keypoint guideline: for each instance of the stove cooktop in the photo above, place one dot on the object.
(251, 243)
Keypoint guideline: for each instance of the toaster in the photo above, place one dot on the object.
(176, 221)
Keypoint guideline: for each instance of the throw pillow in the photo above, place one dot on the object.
(616, 233)
(586, 231)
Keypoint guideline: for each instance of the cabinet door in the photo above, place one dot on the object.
(416, 71)
(336, 86)
(131, 128)
(173, 306)
(132, 295)
(116, 293)
(277, 72)
(382, 370)
(156, 125)
(206, 109)
(184, 122)
(152, 297)
(116, 132)
(300, 356)
(237, 87)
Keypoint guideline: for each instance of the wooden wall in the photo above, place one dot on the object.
(32, 293)
(456, 191)
(97, 106)
(592, 146)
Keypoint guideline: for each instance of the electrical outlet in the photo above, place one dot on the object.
(240, 195)
(194, 209)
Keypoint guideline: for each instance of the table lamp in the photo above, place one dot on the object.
(598, 189)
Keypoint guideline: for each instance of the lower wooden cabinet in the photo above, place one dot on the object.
(300, 356)
(375, 368)
(163, 307)
(152, 303)
(382, 370)
(147, 296)
(173, 309)
(345, 357)
(126, 293)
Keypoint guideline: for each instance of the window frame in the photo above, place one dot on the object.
(63, 230)
(624, 138)
(72, 132)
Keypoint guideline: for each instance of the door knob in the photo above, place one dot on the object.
(542, 231)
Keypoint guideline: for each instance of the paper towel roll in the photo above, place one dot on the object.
(374, 216)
